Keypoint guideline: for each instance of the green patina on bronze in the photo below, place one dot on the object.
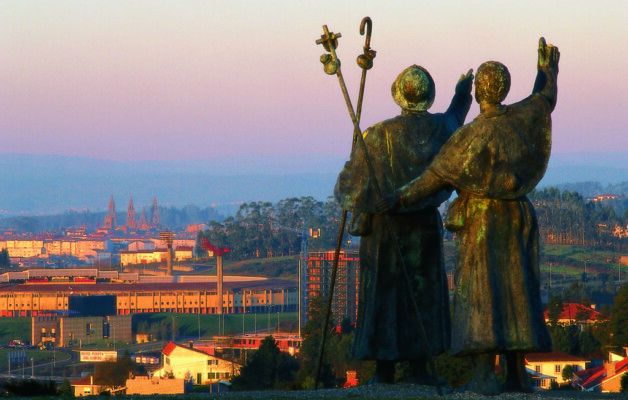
(493, 162)
(400, 149)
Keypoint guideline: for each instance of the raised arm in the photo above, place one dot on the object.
(426, 185)
(461, 102)
(546, 78)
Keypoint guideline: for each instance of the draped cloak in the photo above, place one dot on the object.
(400, 149)
(493, 162)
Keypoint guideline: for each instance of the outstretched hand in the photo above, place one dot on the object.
(548, 55)
(465, 83)
(388, 204)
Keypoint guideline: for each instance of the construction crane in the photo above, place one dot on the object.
(304, 233)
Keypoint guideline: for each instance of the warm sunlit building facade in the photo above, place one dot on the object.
(40, 296)
(319, 270)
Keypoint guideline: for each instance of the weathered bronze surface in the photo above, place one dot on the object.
(399, 150)
(493, 162)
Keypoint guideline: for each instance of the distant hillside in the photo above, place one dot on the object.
(605, 168)
(45, 184)
(48, 184)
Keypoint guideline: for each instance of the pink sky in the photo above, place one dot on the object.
(197, 79)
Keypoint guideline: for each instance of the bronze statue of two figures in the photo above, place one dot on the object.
(401, 170)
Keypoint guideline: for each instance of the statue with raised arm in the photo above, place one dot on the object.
(493, 162)
(400, 149)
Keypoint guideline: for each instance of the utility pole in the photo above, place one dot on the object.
(302, 267)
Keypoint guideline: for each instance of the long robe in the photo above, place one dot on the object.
(493, 162)
(400, 150)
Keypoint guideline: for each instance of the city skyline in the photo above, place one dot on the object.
(166, 80)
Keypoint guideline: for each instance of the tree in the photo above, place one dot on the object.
(114, 374)
(66, 389)
(618, 325)
(268, 368)
(567, 373)
(310, 348)
(554, 309)
(624, 384)
(5, 261)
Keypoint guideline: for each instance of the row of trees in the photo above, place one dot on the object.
(264, 229)
(568, 219)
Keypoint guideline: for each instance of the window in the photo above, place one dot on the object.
(557, 368)
(537, 368)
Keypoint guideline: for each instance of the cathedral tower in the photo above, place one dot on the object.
(155, 212)
(130, 215)
(110, 219)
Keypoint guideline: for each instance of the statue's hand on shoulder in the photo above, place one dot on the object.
(465, 83)
(548, 56)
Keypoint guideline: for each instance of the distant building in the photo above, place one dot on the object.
(145, 385)
(547, 367)
(44, 248)
(130, 215)
(87, 386)
(185, 362)
(574, 313)
(80, 331)
(111, 219)
(47, 292)
(346, 289)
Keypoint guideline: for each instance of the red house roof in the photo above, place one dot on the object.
(592, 377)
(167, 351)
(552, 356)
(169, 348)
(570, 310)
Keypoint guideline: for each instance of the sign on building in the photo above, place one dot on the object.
(99, 356)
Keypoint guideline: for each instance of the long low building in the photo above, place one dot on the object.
(252, 295)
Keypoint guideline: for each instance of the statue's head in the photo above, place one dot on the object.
(492, 82)
(414, 89)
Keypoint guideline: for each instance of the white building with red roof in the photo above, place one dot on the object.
(547, 367)
(186, 362)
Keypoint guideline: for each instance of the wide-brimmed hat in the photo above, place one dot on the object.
(414, 89)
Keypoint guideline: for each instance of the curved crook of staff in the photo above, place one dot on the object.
(332, 66)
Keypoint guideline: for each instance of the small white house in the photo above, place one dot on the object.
(186, 362)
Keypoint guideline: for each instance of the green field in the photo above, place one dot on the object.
(191, 326)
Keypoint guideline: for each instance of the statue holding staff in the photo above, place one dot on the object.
(399, 150)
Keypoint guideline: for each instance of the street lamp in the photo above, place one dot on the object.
(173, 327)
(114, 336)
